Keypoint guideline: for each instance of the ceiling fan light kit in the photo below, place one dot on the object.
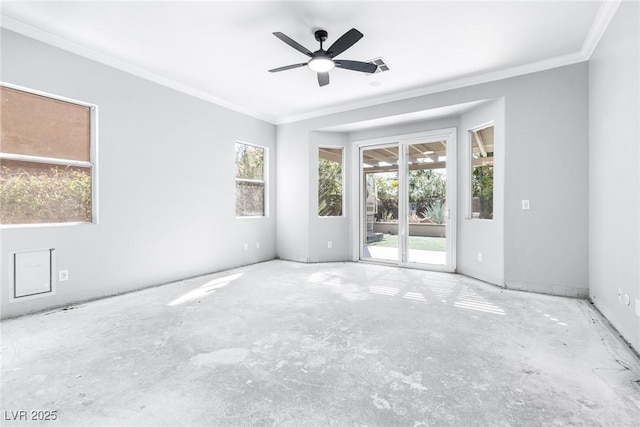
(321, 64)
(322, 61)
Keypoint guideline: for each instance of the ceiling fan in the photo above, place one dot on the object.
(322, 61)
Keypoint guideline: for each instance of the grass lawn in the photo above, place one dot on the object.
(415, 242)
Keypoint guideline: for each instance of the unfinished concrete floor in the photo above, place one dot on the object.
(342, 344)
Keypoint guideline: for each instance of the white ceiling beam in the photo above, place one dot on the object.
(478, 139)
(373, 154)
(332, 154)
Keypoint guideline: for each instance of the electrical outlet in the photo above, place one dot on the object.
(526, 205)
(257, 245)
(329, 244)
(479, 256)
(63, 275)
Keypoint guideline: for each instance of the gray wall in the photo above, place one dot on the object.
(166, 183)
(614, 178)
(545, 153)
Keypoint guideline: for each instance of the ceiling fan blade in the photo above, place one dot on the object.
(287, 67)
(294, 44)
(347, 40)
(365, 67)
(323, 79)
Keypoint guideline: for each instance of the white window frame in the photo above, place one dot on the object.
(92, 164)
(344, 207)
(469, 195)
(264, 181)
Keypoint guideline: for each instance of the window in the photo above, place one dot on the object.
(46, 159)
(250, 180)
(482, 173)
(330, 181)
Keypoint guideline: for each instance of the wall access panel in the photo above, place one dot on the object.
(32, 273)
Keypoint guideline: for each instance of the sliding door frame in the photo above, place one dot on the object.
(449, 135)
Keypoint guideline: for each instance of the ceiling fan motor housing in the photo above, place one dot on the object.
(321, 35)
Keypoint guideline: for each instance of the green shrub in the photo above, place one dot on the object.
(482, 185)
(436, 212)
(59, 194)
(329, 188)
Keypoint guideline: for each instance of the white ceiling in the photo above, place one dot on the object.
(221, 51)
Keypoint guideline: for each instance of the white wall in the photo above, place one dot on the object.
(614, 178)
(293, 197)
(166, 183)
(546, 161)
(484, 236)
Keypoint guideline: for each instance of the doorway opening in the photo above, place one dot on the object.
(407, 200)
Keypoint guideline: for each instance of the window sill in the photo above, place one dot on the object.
(45, 225)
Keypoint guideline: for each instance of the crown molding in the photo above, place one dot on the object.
(46, 37)
(606, 12)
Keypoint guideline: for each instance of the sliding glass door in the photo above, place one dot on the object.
(380, 179)
(427, 202)
(407, 194)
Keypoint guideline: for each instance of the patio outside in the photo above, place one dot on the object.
(421, 249)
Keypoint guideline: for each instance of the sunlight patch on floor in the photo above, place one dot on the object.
(553, 319)
(414, 296)
(442, 289)
(470, 300)
(205, 289)
(384, 290)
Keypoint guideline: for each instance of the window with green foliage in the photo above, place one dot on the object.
(427, 194)
(46, 165)
(330, 181)
(250, 180)
(482, 173)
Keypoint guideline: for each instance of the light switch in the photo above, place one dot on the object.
(525, 205)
